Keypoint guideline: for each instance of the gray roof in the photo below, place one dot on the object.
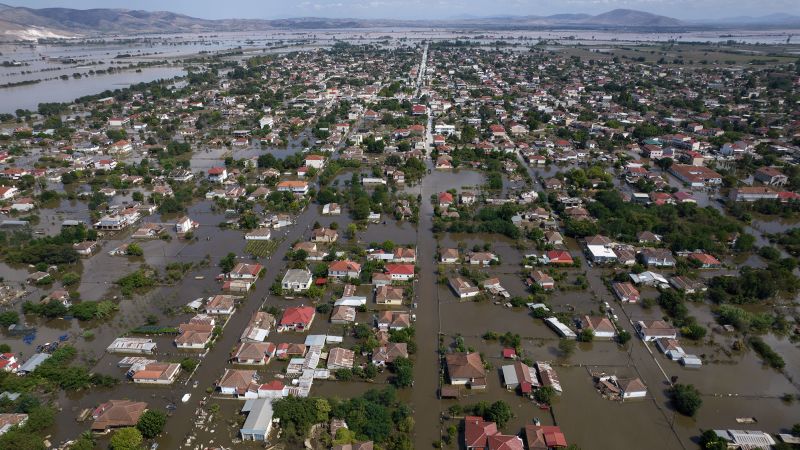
(259, 416)
(33, 362)
(296, 276)
(510, 374)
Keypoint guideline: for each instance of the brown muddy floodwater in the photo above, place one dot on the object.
(734, 384)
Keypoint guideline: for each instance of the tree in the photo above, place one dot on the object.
(151, 423)
(126, 439)
(300, 413)
(694, 331)
(586, 335)
(623, 337)
(686, 399)
(134, 249)
(744, 242)
(228, 262)
(709, 440)
(544, 395)
(403, 372)
(664, 163)
(500, 413)
(8, 318)
(189, 364)
(70, 279)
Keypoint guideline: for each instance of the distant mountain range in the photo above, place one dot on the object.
(30, 23)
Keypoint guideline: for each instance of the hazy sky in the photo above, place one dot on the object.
(434, 9)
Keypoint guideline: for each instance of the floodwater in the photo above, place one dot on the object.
(58, 90)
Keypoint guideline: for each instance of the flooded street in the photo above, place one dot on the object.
(266, 145)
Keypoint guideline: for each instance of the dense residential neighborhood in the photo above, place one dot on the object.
(474, 241)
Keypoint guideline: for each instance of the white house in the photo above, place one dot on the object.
(297, 280)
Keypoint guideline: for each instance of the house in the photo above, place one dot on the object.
(400, 272)
(389, 352)
(258, 353)
(705, 260)
(85, 248)
(632, 388)
(343, 314)
(381, 279)
(297, 280)
(542, 280)
(448, 256)
(444, 163)
(23, 204)
(445, 199)
(601, 326)
(8, 362)
(481, 258)
(238, 383)
(389, 295)
(340, 358)
(344, 269)
(651, 330)
(244, 271)
(601, 254)
(117, 414)
(331, 209)
(505, 442)
(687, 285)
(559, 257)
(468, 198)
(221, 304)
(746, 439)
(670, 347)
(32, 363)
(10, 420)
(217, 174)
(696, 176)
(554, 238)
(257, 330)
(8, 192)
(273, 389)
(155, 373)
(324, 235)
(544, 437)
(258, 424)
(293, 186)
(649, 278)
(647, 237)
(466, 369)
(658, 257)
(770, 176)
(315, 161)
(404, 255)
(297, 318)
(477, 432)
(462, 288)
(185, 225)
(553, 184)
(626, 292)
(393, 320)
(753, 194)
(260, 234)
(520, 376)
(197, 333)
(287, 350)
(132, 345)
(548, 376)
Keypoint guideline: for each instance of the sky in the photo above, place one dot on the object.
(429, 9)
